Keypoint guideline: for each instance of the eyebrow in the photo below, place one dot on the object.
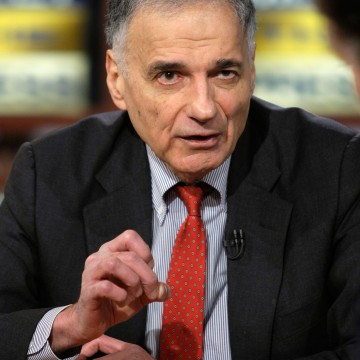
(165, 66)
(168, 65)
(228, 63)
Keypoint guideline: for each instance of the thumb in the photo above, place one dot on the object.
(159, 292)
(164, 292)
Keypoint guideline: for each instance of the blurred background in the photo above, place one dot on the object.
(52, 66)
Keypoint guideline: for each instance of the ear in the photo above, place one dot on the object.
(115, 81)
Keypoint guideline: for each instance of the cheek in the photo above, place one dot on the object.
(154, 126)
(236, 112)
(149, 114)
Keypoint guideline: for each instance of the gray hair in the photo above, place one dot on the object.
(121, 12)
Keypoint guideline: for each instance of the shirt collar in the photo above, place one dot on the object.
(162, 179)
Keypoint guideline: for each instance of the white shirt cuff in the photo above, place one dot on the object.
(39, 348)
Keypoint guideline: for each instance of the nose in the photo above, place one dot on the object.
(202, 104)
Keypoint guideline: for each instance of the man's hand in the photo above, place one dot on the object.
(115, 349)
(117, 282)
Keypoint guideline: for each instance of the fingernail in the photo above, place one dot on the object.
(164, 292)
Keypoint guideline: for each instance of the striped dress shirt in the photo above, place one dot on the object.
(169, 212)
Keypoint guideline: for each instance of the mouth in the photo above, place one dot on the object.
(198, 137)
(205, 141)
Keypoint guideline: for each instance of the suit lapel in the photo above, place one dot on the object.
(254, 279)
(124, 201)
(121, 200)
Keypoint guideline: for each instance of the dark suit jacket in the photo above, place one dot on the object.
(294, 188)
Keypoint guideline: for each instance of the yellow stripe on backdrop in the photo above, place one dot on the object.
(292, 31)
(34, 29)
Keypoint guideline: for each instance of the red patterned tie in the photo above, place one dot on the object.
(183, 316)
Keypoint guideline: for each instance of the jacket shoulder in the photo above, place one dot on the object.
(97, 126)
(304, 147)
(81, 149)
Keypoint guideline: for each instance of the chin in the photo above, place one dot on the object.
(196, 166)
(192, 175)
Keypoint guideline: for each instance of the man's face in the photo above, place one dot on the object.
(188, 85)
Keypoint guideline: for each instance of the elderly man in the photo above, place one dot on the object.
(212, 225)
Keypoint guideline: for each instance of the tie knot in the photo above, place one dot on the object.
(191, 195)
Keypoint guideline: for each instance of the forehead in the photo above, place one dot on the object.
(188, 28)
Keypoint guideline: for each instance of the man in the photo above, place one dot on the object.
(281, 207)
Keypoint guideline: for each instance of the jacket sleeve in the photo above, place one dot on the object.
(20, 306)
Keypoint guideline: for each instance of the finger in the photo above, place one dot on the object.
(152, 288)
(100, 267)
(160, 293)
(112, 280)
(107, 289)
(164, 292)
(104, 344)
(125, 269)
(129, 240)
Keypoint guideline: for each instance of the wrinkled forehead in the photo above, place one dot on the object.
(175, 21)
(173, 12)
(172, 8)
(187, 20)
(197, 35)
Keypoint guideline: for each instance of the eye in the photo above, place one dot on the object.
(168, 77)
(227, 74)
